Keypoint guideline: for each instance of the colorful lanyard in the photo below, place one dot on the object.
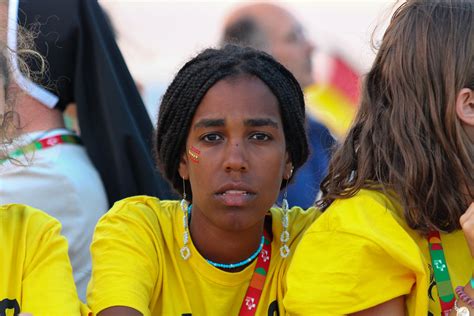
(441, 273)
(45, 143)
(254, 291)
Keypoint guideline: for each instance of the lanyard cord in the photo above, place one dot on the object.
(254, 291)
(441, 273)
(44, 143)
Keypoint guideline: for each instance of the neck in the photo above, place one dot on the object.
(34, 116)
(224, 246)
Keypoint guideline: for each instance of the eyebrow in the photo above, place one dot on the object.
(258, 122)
(209, 123)
(261, 122)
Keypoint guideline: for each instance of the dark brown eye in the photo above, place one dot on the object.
(260, 136)
(212, 137)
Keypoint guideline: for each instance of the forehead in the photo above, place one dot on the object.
(240, 97)
(277, 22)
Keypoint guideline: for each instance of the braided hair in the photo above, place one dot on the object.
(197, 76)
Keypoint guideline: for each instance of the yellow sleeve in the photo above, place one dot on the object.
(337, 273)
(124, 259)
(356, 255)
(48, 284)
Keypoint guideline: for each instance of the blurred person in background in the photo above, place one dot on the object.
(36, 274)
(76, 179)
(273, 29)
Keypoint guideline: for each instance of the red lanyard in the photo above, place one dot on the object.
(441, 273)
(254, 291)
(43, 143)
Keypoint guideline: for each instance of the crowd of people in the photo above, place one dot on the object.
(238, 202)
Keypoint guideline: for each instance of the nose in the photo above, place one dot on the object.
(235, 157)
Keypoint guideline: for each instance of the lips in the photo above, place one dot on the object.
(235, 195)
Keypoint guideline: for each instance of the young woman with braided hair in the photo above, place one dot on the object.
(230, 134)
(398, 225)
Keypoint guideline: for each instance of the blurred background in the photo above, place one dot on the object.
(157, 37)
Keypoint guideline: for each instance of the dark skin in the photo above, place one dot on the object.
(238, 133)
(394, 307)
(120, 311)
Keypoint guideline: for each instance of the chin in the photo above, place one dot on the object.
(238, 222)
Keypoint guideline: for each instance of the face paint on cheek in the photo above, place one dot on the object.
(194, 154)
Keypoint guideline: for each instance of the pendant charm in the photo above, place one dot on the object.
(461, 311)
(185, 252)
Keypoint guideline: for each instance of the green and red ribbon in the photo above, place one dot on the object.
(43, 143)
(254, 291)
(441, 273)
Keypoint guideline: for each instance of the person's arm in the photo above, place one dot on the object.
(467, 224)
(48, 285)
(348, 275)
(356, 258)
(394, 307)
(125, 261)
(119, 311)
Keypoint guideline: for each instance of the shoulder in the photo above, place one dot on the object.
(314, 125)
(368, 220)
(366, 225)
(141, 210)
(364, 233)
(318, 133)
(26, 218)
(299, 219)
(145, 204)
(366, 210)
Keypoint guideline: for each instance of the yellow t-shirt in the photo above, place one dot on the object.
(360, 253)
(137, 263)
(35, 272)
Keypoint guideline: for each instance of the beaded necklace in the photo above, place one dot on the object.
(240, 263)
(237, 264)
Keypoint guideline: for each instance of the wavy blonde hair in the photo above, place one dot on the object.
(9, 119)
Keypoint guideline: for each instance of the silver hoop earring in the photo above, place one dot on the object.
(185, 252)
(285, 235)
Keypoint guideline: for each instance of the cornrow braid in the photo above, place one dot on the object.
(197, 76)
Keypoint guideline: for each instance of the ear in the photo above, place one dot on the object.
(465, 106)
(288, 172)
(183, 166)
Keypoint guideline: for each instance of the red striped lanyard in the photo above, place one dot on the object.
(254, 291)
(441, 273)
(43, 143)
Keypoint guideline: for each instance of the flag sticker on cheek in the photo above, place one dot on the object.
(194, 154)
